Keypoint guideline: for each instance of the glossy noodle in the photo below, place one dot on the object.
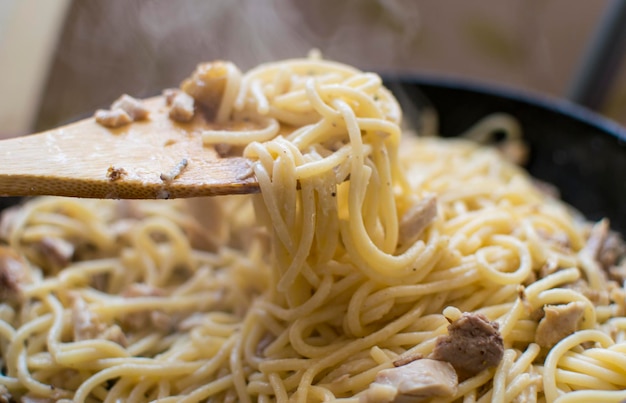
(363, 251)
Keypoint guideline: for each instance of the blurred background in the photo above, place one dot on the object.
(62, 59)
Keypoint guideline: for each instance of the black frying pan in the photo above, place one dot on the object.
(581, 153)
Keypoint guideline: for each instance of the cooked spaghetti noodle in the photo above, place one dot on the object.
(359, 251)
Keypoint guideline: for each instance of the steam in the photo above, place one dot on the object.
(140, 47)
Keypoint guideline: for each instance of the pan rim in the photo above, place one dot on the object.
(537, 99)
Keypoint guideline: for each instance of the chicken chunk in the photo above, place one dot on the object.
(57, 251)
(182, 107)
(207, 85)
(115, 174)
(605, 246)
(414, 382)
(86, 324)
(416, 219)
(169, 94)
(559, 322)
(124, 110)
(473, 344)
(13, 274)
(112, 118)
(132, 106)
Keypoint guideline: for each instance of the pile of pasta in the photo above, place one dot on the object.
(306, 291)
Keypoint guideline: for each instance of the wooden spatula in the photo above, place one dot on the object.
(149, 159)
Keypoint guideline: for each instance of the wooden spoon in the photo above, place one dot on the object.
(85, 159)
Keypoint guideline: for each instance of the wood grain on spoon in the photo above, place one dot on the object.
(85, 159)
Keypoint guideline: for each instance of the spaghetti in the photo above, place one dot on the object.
(361, 249)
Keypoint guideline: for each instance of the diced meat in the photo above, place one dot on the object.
(124, 110)
(112, 118)
(13, 273)
(608, 249)
(604, 245)
(169, 94)
(182, 107)
(416, 219)
(473, 344)
(379, 393)
(115, 173)
(86, 324)
(56, 251)
(132, 106)
(5, 395)
(559, 322)
(612, 251)
(417, 381)
(207, 84)
(597, 237)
